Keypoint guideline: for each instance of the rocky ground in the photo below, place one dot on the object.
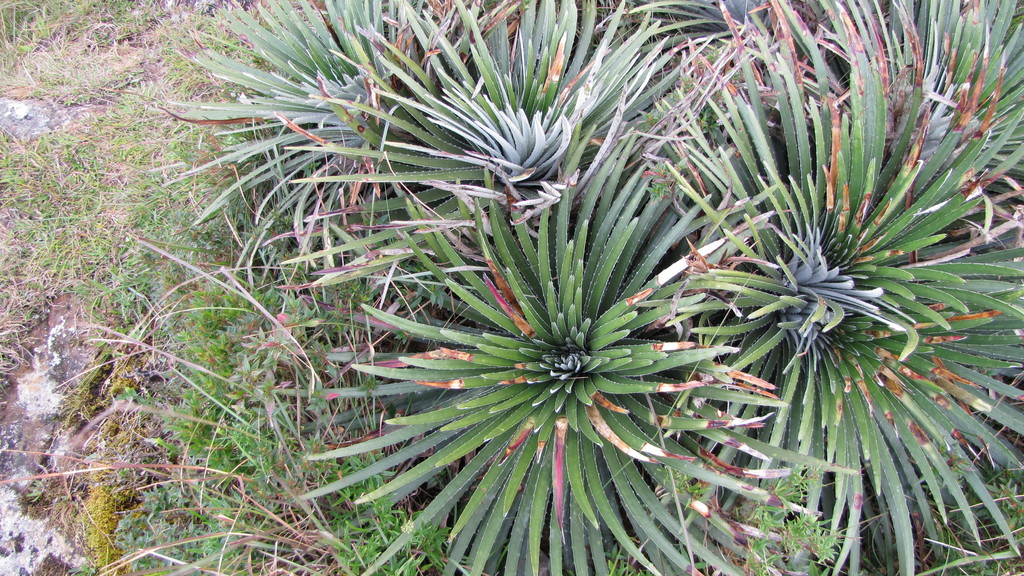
(33, 443)
(47, 444)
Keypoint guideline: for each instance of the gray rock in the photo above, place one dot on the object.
(28, 119)
(31, 443)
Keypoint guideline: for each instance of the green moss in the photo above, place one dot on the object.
(119, 381)
(106, 500)
(105, 382)
(101, 508)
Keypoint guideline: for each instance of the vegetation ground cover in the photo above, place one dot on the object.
(256, 375)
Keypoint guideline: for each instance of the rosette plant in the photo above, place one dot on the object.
(290, 55)
(579, 422)
(885, 333)
(512, 103)
(514, 98)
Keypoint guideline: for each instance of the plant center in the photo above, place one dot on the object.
(568, 361)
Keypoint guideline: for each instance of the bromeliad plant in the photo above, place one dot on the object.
(576, 418)
(511, 104)
(299, 55)
(547, 405)
(843, 288)
(513, 98)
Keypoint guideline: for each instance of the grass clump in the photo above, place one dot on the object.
(238, 433)
(73, 203)
(76, 52)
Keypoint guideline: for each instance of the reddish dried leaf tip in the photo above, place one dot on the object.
(700, 508)
(503, 286)
(606, 403)
(639, 297)
(602, 428)
(653, 450)
(943, 339)
(976, 316)
(456, 384)
(750, 379)
(516, 442)
(918, 433)
(300, 130)
(510, 310)
(445, 354)
(679, 387)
